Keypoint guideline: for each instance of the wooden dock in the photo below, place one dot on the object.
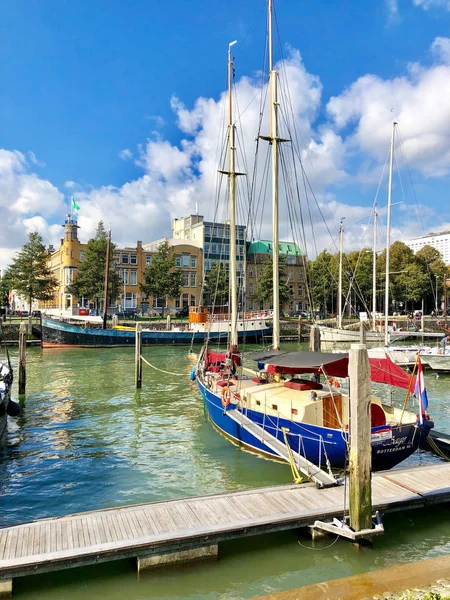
(163, 528)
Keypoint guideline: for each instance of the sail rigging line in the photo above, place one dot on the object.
(417, 212)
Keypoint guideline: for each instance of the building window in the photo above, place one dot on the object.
(68, 276)
(178, 261)
(193, 262)
(125, 277)
(300, 290)
(250, 273)
(177, 303)
(133, 277)
(185, 279)
(133, 259)
(185, 299)
(82, 255)
(186, 260)
(291, 259)
(193, 280)
(148, 260)
(130, 300)
(192, 300)
(125, 258)
(300, 275)
(250, 290)
(250, 305)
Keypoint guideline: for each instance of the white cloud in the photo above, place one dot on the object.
(125, 154)
(440, 49)
(426, 4)
(344, 146)
(368, 106)
(393, 14)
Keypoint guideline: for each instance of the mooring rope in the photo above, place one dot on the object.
(436, 448)
(157, 368)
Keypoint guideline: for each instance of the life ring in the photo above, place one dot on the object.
(226, 397)
(333, 382)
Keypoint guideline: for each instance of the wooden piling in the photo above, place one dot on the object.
(299, 328)
(314, 339)
(22, 358)
(360, 459)
(169, 323)
(6, 588)
(137, 357)
(362, 333)
(115, 321)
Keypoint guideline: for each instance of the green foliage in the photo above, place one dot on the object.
(5, 287)
(411, 278)
(264, 289)
(161, 278)
(29, 274)
(216, 285)
(323, 276)
(90, 280)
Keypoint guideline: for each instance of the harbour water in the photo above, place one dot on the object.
(87, 440)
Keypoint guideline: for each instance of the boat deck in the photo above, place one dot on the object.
(165, 527)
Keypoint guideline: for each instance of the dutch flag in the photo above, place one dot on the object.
(421, 391)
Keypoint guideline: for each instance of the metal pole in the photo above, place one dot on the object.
(232, 183)
(388, 239)
(374, 271)
(339, 306)
(436, 294)
(275, 224)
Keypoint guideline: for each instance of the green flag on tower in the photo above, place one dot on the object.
(74, 204)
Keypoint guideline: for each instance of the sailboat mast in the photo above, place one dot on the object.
(275, 226)
(341, 248)
(105, 294)
(388, 238)
(232, 189)
(374, 270)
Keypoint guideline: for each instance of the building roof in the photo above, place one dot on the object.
(428, 235)
(265, 247)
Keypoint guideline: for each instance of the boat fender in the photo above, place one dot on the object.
(192, 376)
(226, 397)
(333, 382)
(13, 409)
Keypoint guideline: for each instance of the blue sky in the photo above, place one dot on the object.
(87, 105)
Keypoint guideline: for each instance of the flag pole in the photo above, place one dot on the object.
(409, 387)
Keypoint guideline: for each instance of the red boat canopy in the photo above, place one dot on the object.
(293, 363)
(382, 370)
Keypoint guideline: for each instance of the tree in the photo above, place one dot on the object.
(5, 288)
(90, 279)
(323, 277)
(29, 274)
(216, 285)
(264, 288)
(161, 278)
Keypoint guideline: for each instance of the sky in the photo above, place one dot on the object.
(121, 103)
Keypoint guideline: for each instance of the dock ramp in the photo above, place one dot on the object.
(320, 478)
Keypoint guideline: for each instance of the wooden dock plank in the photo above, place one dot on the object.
(110, 534)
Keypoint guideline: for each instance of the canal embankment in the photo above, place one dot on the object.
(409, 581)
